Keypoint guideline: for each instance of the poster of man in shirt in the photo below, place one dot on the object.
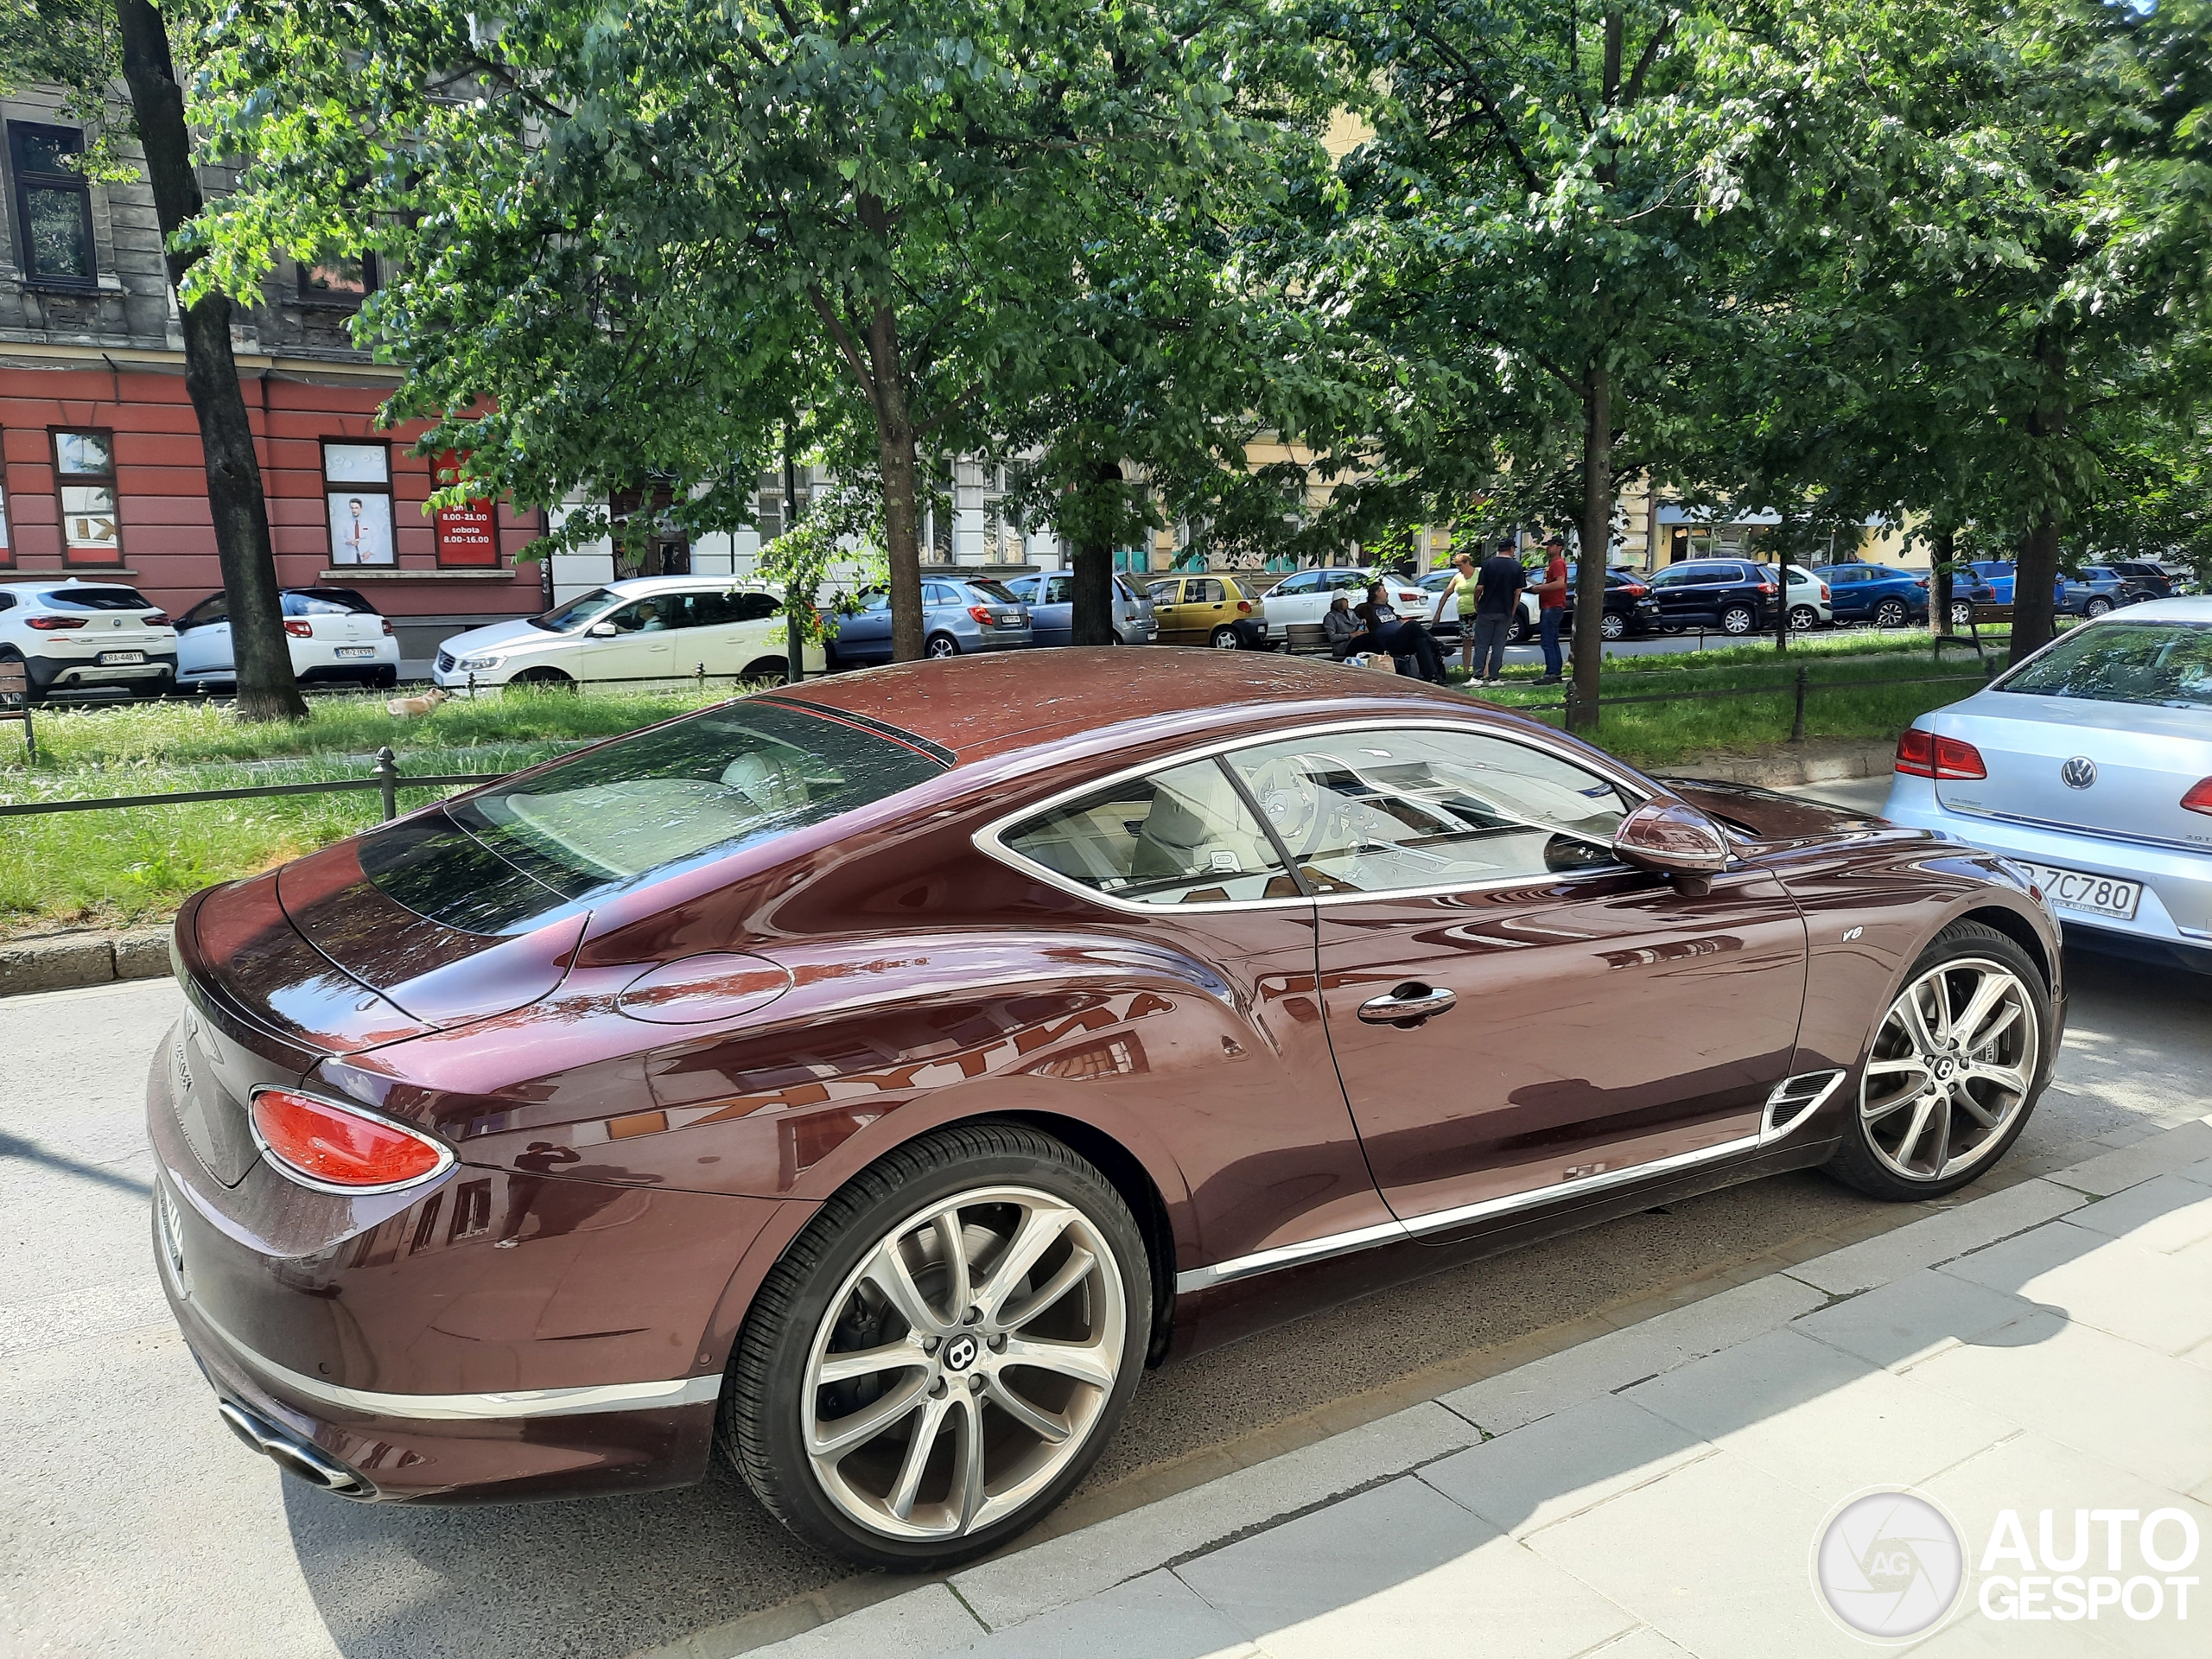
(361, 527)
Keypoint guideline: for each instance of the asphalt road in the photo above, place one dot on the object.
(132, 1522)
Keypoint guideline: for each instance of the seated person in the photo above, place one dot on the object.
(1339, 627)
(1401, 637)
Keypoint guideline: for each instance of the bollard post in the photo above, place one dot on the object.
(1798, 720)
(386, 771)
(702, 679)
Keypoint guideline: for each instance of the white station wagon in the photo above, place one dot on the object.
(2090, 764)
(644, 630)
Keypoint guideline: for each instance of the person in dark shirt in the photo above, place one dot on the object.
(1398, 637)
(1497, 600)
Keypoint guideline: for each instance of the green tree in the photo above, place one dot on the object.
(87, 49)
(612, 232)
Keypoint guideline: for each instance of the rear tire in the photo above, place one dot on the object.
(1961, 614)
(543, 679)
(1222, 640)
(766, 671)
(1738, 620)
(1612, 625)
(1896, 1149)
(1803, 619)
(971, 1192)
(940, 646)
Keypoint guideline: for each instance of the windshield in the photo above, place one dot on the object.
(708, 784)
(577, 612)
(2165, 663)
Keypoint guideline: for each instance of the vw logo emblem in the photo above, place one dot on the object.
(959, 1353)
(2079, 773)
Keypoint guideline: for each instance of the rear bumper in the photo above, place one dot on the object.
(2173, 919)
(51, 674)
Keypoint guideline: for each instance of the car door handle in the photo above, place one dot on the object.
(1407, 1005)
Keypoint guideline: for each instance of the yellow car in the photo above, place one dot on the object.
(1203, 611)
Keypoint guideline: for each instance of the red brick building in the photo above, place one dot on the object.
(101, 469)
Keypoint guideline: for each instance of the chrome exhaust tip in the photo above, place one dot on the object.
(290, 1453)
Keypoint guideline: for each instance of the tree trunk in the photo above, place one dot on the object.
(1093, 569)
(266, 688)
(2037, 573)
(794, 647)
(1597, 535)
(902, 523)
(1942, 548)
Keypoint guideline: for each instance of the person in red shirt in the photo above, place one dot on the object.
(1551, 605)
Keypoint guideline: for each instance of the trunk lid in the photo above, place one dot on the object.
(2116, 769)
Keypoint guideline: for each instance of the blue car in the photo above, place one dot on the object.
(2099, 589)
(959, 615)
(1998, 573)
(1050, 600)
(1887, 598)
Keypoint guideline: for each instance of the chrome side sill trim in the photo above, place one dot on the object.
(465, 1408)
(1333, 1244)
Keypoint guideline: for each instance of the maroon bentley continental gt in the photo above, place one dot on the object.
(875, 1078)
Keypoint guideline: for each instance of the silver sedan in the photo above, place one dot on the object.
(2091, 764)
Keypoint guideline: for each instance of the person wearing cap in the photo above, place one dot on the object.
(1551, 605)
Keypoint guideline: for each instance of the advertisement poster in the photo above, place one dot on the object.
(361, 528)
(466, 535)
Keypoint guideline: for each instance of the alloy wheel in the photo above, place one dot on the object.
(1803, 619)
(2096, 608)
(1610, 626)
(1737, 620)
(941, 645)
(1891, 614)
(1224, 639)
(964, 1363)
(1952, 1066)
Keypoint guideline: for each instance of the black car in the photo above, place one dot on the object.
(1734, 595)
(2151, 580)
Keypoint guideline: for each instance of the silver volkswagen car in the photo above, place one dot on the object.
(2091, 764)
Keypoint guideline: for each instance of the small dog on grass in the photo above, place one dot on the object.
(407, 708)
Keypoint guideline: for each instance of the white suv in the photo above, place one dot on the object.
(645, 629)
(73, 634)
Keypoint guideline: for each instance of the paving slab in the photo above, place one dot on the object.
(2162, 1300)
(1155, 1616)
(1828, 1422)
(2188, 1145)
(927, 1621)
(1499, 1404)
(1563, 1464)
(1938, 1238)
(2166, 1213)
(1405, 1571)
(1027, 1582)
(2118, 1400)
(1910, 1318)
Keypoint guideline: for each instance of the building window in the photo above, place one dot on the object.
(357, 492)
(338, 280)
(54, 204)
(84, 474)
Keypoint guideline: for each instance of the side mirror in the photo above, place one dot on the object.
(1672, 838)
(600, 630)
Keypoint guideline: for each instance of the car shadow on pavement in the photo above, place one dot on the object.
(2042, 1371)
(594, 1578)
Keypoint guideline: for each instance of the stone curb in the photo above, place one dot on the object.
(1827, 761)
(71, 961)
(945, 1616)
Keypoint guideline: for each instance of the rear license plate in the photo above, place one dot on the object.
(2096, 895)
(111, 658)
(350, 651)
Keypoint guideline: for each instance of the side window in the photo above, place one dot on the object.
(1341, 581)
(1382, 811)
(1678, 575)
(937, 593)
(1202, 590)
(216, 607)
(1306, 581)
(1163, 593)
(1058, 591)
(1183, 836)
(642, 615)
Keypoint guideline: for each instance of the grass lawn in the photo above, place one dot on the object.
(70, 869)
(117, 868)
(1867, 666)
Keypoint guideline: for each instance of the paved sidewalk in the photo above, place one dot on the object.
(1658, 1490)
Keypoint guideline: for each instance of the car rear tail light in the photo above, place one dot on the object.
(1634, 589)
(1924, 754)
(1766, 587)
(386, 621)
(1245, 607)
(981, 614)
(54, 624)
(2199, 798)
(156, 619)
(1921, 582)
(1824, 591)
(337, 1148)
(299, 627)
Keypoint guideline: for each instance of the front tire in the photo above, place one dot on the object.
(1516, 632)
(1954, 1072)
(765, 671)
(1891, 614)
(942, 1354)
